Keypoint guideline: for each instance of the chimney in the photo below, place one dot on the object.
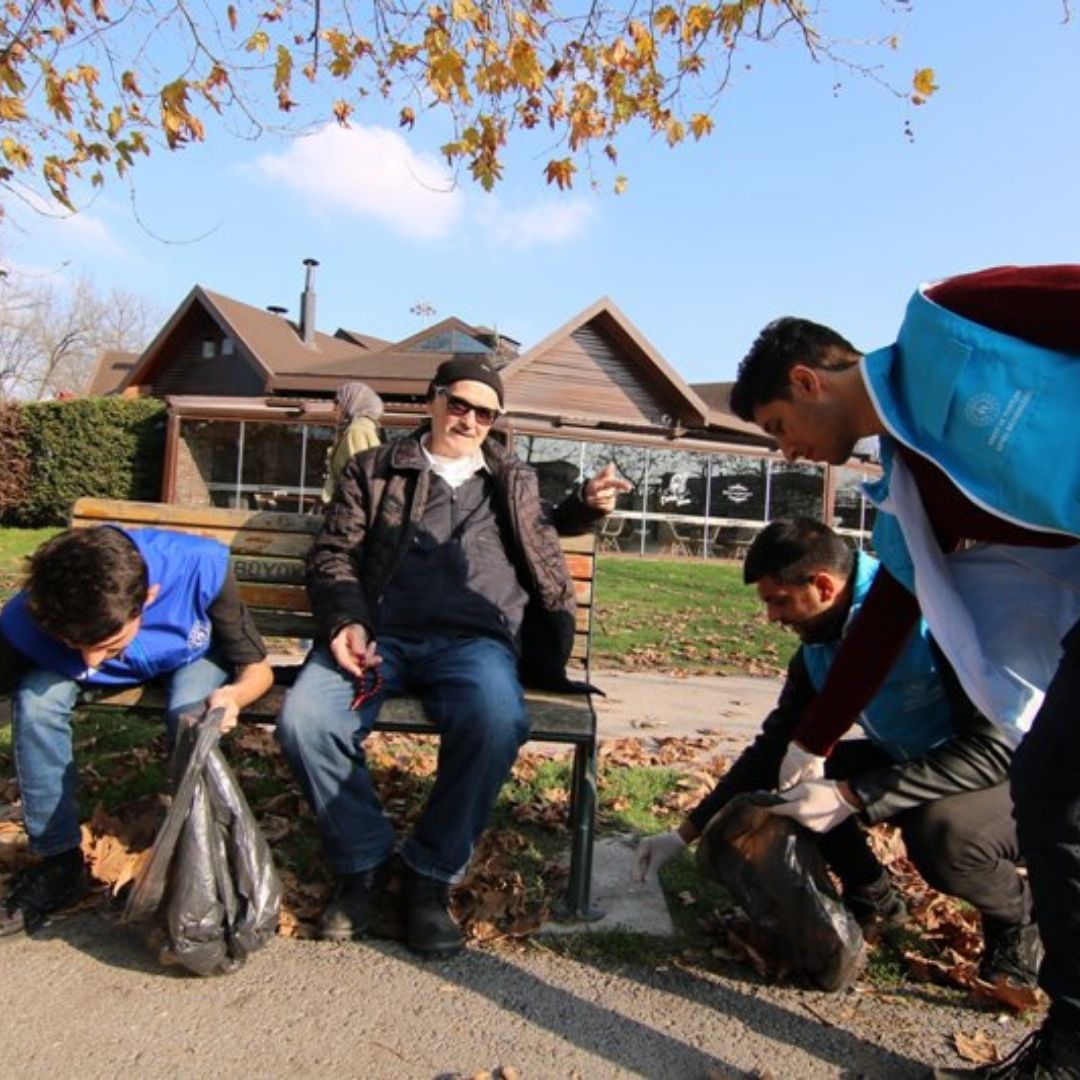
(307, 304)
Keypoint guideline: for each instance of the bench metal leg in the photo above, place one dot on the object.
(575, 904)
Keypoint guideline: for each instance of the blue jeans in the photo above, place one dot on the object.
(470, 691)
(41, 721)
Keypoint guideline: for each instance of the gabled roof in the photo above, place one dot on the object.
(400, 369)
(717, 395)
(269, 342)
(366, 341)
(112, 367)
(571, 373)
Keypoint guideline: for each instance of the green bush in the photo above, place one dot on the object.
(15, 474)
(110, 447)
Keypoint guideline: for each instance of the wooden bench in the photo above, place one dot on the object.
(268, 550)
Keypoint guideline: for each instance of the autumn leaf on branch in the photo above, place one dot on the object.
(72, 76)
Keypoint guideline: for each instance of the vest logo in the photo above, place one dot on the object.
(982, 410)
(199, 636)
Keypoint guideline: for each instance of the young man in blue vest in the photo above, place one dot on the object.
(979, 516)
(108, 607)
(929, 763)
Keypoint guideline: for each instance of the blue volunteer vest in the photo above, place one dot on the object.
(910, 714)
(989, 409)
(175, 628)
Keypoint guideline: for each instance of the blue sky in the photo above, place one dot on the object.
(804, 201)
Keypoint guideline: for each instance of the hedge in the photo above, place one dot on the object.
(111, 447)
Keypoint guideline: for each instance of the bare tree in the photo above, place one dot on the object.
(51, 334)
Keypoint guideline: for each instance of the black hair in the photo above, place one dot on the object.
(763, 374)
(85, 585)
(794, 549)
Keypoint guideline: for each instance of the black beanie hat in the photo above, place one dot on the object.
(467, 368)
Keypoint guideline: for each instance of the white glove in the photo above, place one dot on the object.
(817, 804)
(652, 852)
(799, 765)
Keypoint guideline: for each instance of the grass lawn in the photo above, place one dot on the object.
(15, 545)
(687, 615)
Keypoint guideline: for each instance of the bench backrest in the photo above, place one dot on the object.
(268, 551)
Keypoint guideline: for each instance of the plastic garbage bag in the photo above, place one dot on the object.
(777, 875)
(209, 886)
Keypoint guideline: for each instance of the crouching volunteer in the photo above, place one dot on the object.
(929, 763)
(108, 607)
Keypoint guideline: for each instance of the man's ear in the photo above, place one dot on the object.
(805, 381)
(151, 595)
(826, 585)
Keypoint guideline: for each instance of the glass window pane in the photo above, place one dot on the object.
(797, 489)
(556, 461)
(854, 512)
(320, 439)
(207, 457)
(738, 487)
(270, 471)
(677, 482)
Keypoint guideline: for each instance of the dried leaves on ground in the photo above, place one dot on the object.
(518, 869)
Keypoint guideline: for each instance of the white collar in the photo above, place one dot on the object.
(455, 471)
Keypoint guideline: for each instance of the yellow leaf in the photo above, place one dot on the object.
(258, 42)
(406, 118)
(561, 173)
(464, 11)
(12, 108)
(923, 83)
(701, 125)
(666, 20)
(620, 185)
(525, 65)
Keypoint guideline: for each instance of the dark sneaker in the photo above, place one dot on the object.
(1010, 952)
(1051, 1053)
(350, 912)
(56, 883)
(429, 928)
(877, 906)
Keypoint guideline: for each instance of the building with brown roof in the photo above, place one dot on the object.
(250, 395)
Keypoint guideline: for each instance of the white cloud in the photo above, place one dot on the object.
(546, 223)
(81, 228)
(370, 172)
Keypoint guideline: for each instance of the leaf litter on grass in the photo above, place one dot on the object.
(513, 879)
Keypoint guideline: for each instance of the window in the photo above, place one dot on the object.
(452, 341)
(209, 348)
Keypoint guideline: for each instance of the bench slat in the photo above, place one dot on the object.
(93, 511)
(554, 717)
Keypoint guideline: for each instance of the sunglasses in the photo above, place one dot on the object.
(459, 406)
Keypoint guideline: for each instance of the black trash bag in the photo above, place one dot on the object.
(209, 887)
(775, 870)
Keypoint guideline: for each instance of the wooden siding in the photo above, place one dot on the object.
(586, 376)
(186, 372)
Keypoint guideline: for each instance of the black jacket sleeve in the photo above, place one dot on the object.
(976, 757)
(757, 767)
(13, 665)
(233, 634)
